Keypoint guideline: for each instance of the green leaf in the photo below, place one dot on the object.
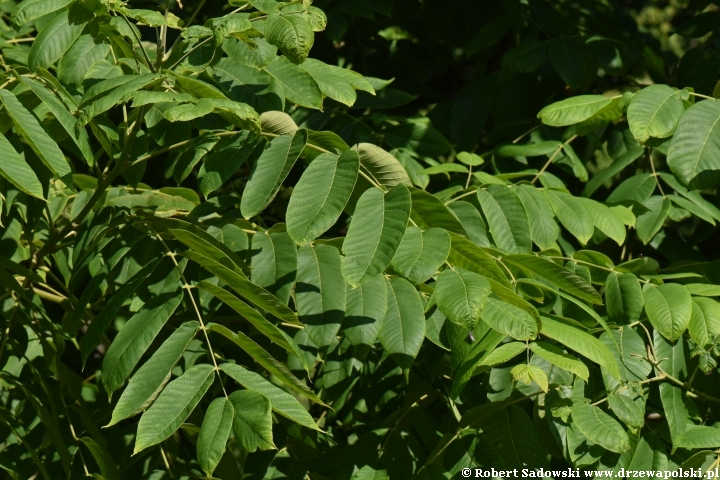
(299, 87)
(526, 56)
(572, 61)
(600, 428)
(506, 218)
(638, 188)
(78, 134)
(654, 112)
(365, 311)
(560, 359)
(282, 402)
(248, 85)
(510, 320)
(581, 342)
(252, 420)
(214, 433)
(539, 376)
(630, 412)
(609, 113)
(105, 94)
(239, 114)
(201, 241)
(543, 228)
(173, 406)
(694, 155)
(623, 297)
(420, 138)
(468, 256)
(320, 196)
(41, 143)
(470, 358)
(135, 337)
(150, 379)
(605, 220)
(102, 457)
(262, 324)
(704, 323)
(462, 296)
(78, 60)
(692, 207)
(105, 317)
(504, 353)
(401, 333)
(319, 142)
(445, 168)
(254, 57)
(29, 10)
(421, 254)
(650, 222)
(428, 211)
(199, 148)
(510, 432)
(674, 355)
(616, 167)
(320, 293)
(572, 213)
(668, 308)
(383, 168)
(471, 221)
(225, 159)
(675, 412)
(573, 110)
(375, 232)
(274, 263)
(554, 273)
(292, 34)
(189, 111)
(260, 355)
(151, 18)
(703, 290)
(529, 150)
(54, 40)
(204, 244)
(700, 436)
(258, 296)
(337, 83)
(270, 171)
(16, 170)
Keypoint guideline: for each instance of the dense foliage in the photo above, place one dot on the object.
(220, 257)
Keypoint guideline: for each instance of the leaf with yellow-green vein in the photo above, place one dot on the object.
(173, 406)
(282, 402)
(375, 232)
(261, 356)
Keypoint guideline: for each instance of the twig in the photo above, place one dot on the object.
(187, 287)
(187, 54)
(555, 154)
(20, 40)
(187, 24)
(466, 194)
(527, 133)
(701, 96)
(147, 58)
(657, 180)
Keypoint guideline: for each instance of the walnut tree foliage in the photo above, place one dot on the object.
(223, 255)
